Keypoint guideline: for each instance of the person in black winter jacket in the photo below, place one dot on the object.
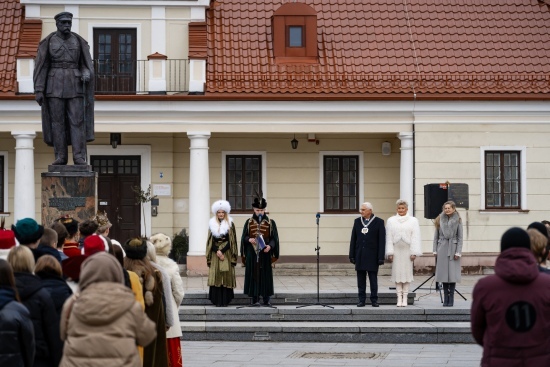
(41, 307)
(48, 270)
(17, 346)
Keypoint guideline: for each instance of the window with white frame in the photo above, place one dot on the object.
(341, 182)
(503, 178)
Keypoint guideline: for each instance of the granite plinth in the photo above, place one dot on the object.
(69, 192)
(69, 168)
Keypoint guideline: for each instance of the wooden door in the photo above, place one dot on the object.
(115, 60)
(117, 176)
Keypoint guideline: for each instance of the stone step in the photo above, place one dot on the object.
(318, 313)
(342, 332)
(308, 269)
(330, 298)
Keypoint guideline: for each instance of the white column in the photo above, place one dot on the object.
(23, 195)
(199, 193)
(406, 182)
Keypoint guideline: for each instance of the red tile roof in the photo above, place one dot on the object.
(368, 47)
(11, 16)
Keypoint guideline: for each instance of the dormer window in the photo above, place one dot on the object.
(295, 34)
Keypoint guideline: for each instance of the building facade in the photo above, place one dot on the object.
(382, 100)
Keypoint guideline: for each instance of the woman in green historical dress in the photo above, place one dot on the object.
(221, 254)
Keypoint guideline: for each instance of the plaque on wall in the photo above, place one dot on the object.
(458, 192)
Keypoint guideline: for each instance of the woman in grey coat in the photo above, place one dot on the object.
(447, 248)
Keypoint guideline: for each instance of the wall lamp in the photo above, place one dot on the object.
(386, 148)
(294, 142)
(116, 139)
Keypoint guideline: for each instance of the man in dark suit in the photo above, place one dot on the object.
(366, 251)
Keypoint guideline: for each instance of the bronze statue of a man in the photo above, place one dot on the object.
(64, 88)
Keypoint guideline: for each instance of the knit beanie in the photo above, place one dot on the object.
(27, 231)
(539, 227)
(135, 248)
(93, 244)
(515, 237)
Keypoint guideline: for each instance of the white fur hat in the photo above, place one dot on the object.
(221, 205)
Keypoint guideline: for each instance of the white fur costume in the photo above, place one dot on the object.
(163, 246)
(402, 241)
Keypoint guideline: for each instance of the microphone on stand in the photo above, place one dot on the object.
(317, 249)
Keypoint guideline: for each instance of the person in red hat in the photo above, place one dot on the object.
(93, 244)
(7, 241)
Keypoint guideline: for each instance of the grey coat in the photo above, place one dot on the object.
(447, 243)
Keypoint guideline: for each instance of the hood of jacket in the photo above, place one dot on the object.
(27, 284)
(517, 265)
(6, 296)
(102, 303)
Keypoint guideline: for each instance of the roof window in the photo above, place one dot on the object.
(295, 34)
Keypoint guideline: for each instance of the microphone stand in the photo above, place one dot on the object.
(437, 287)
(318, 303)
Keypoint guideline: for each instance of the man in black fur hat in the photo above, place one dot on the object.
(257, 231)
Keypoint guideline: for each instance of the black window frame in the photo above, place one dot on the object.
(505, 180)
(116, 165)
(329, 208)
(246, 199)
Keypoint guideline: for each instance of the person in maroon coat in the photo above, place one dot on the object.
(510, 314)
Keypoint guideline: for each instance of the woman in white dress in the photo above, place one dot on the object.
(403, 245)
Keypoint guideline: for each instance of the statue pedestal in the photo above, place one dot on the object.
(68, 190)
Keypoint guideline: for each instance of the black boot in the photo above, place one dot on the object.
(255, 300)
(266, 301)
(451, 294)
(445, 294)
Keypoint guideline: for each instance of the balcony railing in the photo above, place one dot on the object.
(141, 77)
